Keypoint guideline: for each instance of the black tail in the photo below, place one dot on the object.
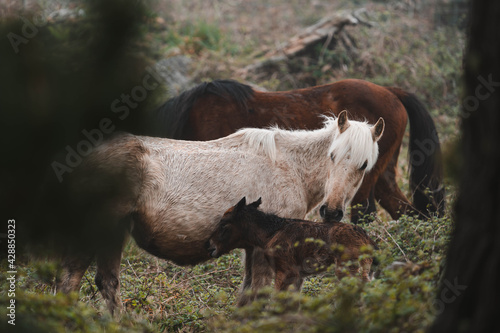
(170, 119)
(426, 169)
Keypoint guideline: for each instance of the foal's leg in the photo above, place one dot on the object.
(107, 277)
(73, 268)
(343, 271)
(285, 279)
(262, 270)
(258, 274)
(340, 269)
(247, 279)
(365, 269)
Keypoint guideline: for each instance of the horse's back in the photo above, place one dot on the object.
(186, 178)
(350, 235)
(213, 116)
(366, 101)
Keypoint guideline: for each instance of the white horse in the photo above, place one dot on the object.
(174, 193)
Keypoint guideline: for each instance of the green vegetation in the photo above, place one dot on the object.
(401, 298)
(160, 296)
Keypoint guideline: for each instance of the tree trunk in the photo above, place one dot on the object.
(469, 296)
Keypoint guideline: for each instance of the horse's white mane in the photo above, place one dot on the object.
(355, 143)
(262, 139)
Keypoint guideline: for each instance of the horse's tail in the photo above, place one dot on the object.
(171, 119)
(426, 170)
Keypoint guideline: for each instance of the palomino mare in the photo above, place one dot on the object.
(218, 108)
(175, 192)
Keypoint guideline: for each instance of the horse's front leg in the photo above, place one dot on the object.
(360, 208)
(390, 196)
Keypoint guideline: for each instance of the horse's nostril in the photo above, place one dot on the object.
(322, 211)
(338, 214)
(330, 215)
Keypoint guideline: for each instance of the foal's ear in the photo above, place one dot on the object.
(241, 204)
(342, 121)
(378, 129)
(256, 203)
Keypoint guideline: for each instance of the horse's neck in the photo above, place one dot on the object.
(306, 152)
(309, 157)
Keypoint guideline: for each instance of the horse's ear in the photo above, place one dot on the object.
(241, 203)
(378, 129)
(256, 203)
(342, 121)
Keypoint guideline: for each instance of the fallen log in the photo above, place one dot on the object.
(320, 33)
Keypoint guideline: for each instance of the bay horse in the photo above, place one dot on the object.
(174, 192)
(294, 248)
(219, 108)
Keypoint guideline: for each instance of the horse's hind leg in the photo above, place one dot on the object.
(73, 268)
(107, 277)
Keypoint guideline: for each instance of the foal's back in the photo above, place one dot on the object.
(348, 235)
(311, 247)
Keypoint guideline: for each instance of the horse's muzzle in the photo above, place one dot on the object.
(213, 253)
(212, 249)
(331, 215)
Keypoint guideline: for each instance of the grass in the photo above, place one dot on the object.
(160, 296)
(400, 299)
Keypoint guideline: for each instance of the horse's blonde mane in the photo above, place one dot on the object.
(261, 140)
(264, 139)
(355, 143)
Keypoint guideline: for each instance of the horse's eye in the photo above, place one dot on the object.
(332, 157)
(225, 230)
(364, 166)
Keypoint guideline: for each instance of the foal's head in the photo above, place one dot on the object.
(353, 152)
(231, 230)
